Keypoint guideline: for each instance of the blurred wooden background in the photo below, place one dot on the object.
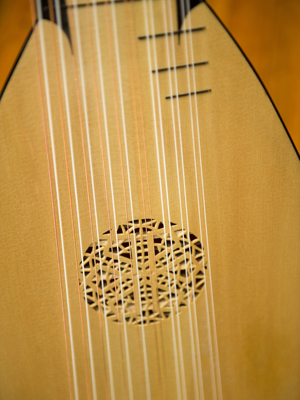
(268, 31)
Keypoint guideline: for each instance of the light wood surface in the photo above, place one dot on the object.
(242, 202)
(268, 32)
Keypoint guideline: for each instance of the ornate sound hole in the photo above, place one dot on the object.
(145, 270)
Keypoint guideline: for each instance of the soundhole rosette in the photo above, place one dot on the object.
(139, 272)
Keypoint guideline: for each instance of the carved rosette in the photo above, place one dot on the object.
(137, 273)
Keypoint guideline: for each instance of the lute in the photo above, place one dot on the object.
(150, 212)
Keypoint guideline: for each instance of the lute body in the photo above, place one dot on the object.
(199, 296)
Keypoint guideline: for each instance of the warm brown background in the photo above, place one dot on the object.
(268, 31)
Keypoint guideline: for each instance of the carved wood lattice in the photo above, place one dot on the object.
(144, 252)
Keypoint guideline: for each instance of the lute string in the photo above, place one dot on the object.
(133, 50)
(70, 132)
(199, 212)
(32, 7)
(212, 366)
(196, 177)
(98, 111)
(106, 129)
(178, 385)
(109, 29)
(50, 121)
(200, 225)
(218, 383)
(115, 227)
(196, 389)
(162, 137)
(107, 204)
(193, 340)
(52, 18)
(148, 392)
(86, 119)
(218, 370)
(101, 77)
(98, 107)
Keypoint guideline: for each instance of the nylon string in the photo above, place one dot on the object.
(108, 29)
(130, 193)
(218, 384)
(49, 111)
(182, 368)
(178, 388)
(200, 223)
(97, 36)
(82, 79)
(162, 379)
(199, 215)
(113, 202)
(98, 113)
(196, 389)
(201, 238)
(97, 229)
(52, 18)
(52, 200)
(187, 218)
(75, 184)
